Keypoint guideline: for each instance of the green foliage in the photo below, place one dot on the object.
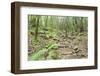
(41, 53)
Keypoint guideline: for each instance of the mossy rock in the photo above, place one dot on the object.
(53, 55)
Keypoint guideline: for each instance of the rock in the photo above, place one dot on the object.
(75, 48)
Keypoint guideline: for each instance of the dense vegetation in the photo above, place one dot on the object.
(57, 37)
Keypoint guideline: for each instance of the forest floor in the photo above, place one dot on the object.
(71, 47)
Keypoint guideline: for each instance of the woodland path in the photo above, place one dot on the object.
(74, 48)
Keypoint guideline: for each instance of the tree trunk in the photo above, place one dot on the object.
(36, 30)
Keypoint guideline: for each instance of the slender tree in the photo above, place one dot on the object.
(37, 27)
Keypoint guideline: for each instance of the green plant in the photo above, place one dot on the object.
(41, 53)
